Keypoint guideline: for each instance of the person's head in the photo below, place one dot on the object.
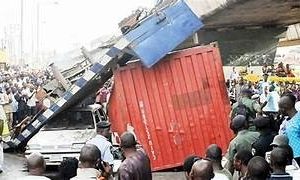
(287, 104)
(279, 158)
(202, 170)
(214, 153)
(258, 169)
(272, 88)
(241, 159)
(103, 128)
(8, 90)
(68, 168)
(289, 153)
(36, 164)
(280, 140)
(90, 156)
(188, 164)
(239, 123)
(262, 123)
(246, 93)
(233, 69)
(128, 142)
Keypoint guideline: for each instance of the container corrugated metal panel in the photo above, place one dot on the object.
(177, 108)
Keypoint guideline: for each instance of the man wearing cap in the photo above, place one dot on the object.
(279, 140)
(101, 141)
(243, 140)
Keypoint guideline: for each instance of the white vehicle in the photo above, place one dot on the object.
(66, 134)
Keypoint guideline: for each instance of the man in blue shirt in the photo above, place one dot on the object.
(292, 127)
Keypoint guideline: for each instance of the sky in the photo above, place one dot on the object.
(63, 24)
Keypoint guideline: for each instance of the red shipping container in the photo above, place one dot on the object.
(177, 108)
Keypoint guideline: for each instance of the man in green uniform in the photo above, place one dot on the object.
(252, 107)
(243, 140)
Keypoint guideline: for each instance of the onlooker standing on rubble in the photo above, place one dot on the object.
(101, 141)
(136, 164)
(292, 126)
(243, 140)
(214, 153)
(36, 167)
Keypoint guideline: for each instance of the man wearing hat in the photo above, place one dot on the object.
(101, 141)
(243, 140)
(278, 141)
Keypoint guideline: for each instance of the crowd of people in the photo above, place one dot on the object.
(95, 161)
(21, 97)
(264, 119)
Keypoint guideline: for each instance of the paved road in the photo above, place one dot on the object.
(15, 168)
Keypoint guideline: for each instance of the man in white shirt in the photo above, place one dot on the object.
(271, 103)
(101, 141)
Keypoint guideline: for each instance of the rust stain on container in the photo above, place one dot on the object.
(176, 108)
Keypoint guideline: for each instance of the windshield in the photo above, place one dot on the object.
(71, 120)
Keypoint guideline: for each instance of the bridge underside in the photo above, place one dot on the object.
(243, 13)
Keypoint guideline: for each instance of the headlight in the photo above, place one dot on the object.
(77, 145)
